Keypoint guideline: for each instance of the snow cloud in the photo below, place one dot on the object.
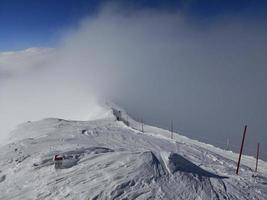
(208, 77)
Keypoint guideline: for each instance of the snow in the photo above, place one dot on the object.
(106, 159)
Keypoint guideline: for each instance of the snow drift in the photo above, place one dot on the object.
(111, 159)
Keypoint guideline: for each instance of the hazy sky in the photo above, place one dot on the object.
(201, 64)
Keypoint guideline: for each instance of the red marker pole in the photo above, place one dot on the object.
(241, 149)
(257, 159)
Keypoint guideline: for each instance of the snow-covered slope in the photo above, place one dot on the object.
(106, 159)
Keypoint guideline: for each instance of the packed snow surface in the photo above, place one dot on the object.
(106, 159)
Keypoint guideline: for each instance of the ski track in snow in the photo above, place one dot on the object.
(105, 159)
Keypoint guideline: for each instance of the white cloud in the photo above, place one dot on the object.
(157, 64)
(17, 61)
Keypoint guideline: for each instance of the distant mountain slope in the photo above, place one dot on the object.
(106, 159)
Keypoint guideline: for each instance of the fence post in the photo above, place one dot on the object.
(257, 158)
(241, 149)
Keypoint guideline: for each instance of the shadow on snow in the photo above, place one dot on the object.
(179, 163)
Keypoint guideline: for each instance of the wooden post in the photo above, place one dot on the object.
(241, 149)
(257, 158)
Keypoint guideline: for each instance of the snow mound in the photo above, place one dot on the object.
(151, 166)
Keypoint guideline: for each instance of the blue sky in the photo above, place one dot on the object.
(40, 23)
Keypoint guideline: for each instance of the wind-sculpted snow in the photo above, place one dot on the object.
(106, 159)
(178, 163)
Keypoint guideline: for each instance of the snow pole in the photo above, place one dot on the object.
(241, 149)
(257, 158)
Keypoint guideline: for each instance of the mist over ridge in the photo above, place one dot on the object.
(210, 80)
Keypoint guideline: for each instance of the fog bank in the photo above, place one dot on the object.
(209, 79)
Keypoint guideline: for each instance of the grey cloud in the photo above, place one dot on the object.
(5, 75)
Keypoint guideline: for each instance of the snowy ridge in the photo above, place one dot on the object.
(106, 159)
